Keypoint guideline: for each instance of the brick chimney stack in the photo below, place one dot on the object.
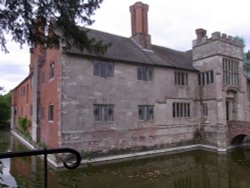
(38, 50)
(200, 33)
(139, 24)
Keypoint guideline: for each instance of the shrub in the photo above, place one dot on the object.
(23, 123)
(5, 107)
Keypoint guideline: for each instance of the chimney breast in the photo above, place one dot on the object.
(139, 24)
(38, 50)
(200, 33)
(139, 18)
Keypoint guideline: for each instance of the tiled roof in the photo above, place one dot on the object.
(127, 50)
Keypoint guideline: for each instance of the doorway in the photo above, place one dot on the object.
(230, 109)
(227, 110)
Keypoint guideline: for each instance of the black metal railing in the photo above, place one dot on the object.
(45, 153)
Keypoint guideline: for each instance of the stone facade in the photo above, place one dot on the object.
(81, 89)
(190, 93)
(208, 54)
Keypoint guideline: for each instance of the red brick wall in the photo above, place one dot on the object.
(49, 95)
(236, 128)
(22, 100)
(139, 19)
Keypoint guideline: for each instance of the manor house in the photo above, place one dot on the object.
(137, 97)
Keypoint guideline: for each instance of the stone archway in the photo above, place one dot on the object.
(238, 140)
(238, 133)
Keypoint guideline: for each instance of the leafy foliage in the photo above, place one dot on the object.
(241, 39)
(1, 90)
(24, 124)
(35, 21)
(245, 56)
(5, 107)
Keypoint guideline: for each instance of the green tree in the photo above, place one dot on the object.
(5, 107)
(1, 89)
(23, 19)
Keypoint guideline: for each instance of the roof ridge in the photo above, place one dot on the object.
(125, 49)
(159, 46)
(104, 32)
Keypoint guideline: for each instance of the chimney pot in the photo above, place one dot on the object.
(200, 33)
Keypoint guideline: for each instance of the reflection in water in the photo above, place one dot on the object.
(194, 169)
(18, 171)
(6, 178)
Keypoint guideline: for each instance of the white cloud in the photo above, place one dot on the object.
(172, 23)
(13, 66)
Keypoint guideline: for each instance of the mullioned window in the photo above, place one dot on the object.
(206, 78)
(146, 112)
(145, 73)
(103, 69)
(181, 109)
(230, 71)
(181, 78)
(104, 112)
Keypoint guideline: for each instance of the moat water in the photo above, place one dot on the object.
(193, 169)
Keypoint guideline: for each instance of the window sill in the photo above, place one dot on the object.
(146, 121)
(104, 77)
(145, 80)
(103, 122)
(51, 79)
(231, 85)
(181, 85)
(178, 118)
(204, 85)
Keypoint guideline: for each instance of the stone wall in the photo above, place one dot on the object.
(81, 90)
(21, 102)
(218, 44)
(208, 54)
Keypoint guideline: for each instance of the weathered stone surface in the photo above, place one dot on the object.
(74, 90)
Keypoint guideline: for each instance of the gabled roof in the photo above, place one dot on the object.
(127, 50)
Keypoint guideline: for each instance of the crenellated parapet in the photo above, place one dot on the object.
(216, 36)
(217, 45)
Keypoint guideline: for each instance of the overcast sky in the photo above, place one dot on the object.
(172, 24)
